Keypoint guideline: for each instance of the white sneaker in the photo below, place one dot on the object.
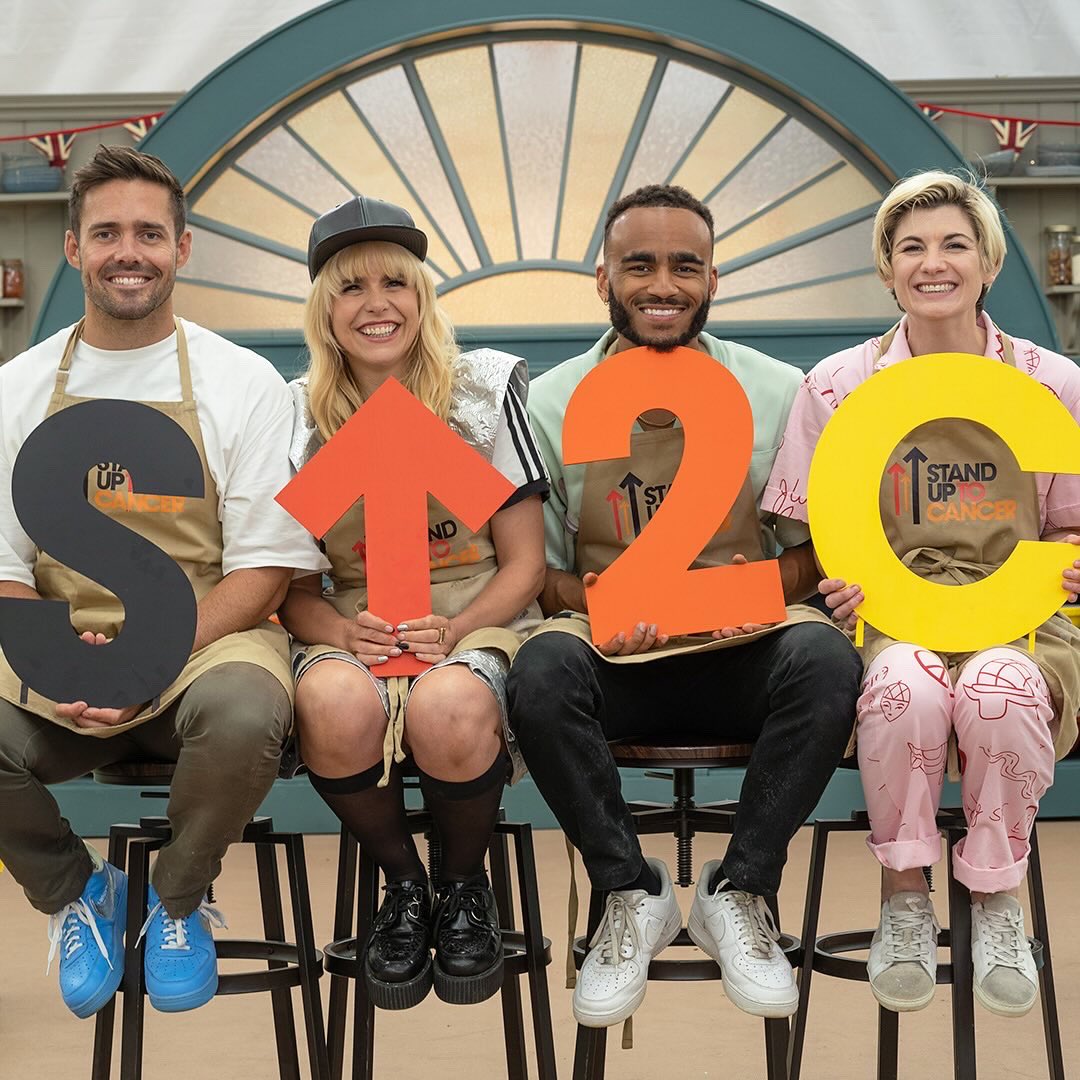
(635, 927)
(1006, 981)
(737, 930)
(903, 953)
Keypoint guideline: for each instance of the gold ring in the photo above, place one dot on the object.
(442, 634)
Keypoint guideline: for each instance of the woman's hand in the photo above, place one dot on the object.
(841, 599)
(1070, 578)
(431, 638)
(370, 639)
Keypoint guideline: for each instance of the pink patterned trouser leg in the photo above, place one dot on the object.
(1001, 712)
(904, 716)
(1002, 716)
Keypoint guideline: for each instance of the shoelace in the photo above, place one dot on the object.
(470, 899)
(65, 925)
(909, 935)
(397, 899)
(1004, 938)
(753, 923)
(174, 931)
(617, 934)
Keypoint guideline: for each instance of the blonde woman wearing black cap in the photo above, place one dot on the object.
(372, 315)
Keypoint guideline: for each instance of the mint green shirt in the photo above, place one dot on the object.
(769, 384)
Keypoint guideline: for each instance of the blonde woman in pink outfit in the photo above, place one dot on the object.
(954, 504)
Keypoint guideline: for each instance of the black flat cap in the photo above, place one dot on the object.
(359, 219)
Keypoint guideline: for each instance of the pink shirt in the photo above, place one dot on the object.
(836, 376)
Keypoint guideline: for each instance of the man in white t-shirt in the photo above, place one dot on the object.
(223, 719)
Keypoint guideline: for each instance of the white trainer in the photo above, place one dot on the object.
(1006, 981)
(635, 927)
(903, 953)
(737, 930)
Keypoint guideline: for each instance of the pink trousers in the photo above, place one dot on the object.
(1001, 713)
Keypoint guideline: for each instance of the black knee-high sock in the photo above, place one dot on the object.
(465, 813)
(376, 817)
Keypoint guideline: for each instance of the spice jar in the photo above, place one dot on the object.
(11, 271)
(1059, 255)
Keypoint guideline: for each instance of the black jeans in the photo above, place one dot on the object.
(792, 692)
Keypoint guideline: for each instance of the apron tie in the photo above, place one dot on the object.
(397, 687)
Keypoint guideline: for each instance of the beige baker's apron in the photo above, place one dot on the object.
(958, 523)
(462, 563)
(619, 499)
(186, 529)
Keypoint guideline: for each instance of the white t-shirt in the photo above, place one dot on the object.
(244, 411)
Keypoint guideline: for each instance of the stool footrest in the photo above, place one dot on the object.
(828, 958)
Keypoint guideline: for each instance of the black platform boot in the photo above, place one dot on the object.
(468, 943)
(397, 959)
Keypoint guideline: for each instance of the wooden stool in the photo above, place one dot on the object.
(287, 965)
(826, 956)
(683, 818)
(525, 952)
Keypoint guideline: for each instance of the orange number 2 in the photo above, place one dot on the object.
(651, 580)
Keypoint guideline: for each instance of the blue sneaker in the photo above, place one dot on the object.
(180, 959)
(89, 934)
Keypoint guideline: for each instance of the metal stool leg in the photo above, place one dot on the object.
(777, 1031)
(534, 944)
(513, 1021)
(963, 1001)
(590, 1053)
(105, 1020)
(888, 1044)
(363, 1009)
(131, 1025)
(307, 961)
(273, 919)
(1047, 993)
(344, 909)
(811, 917)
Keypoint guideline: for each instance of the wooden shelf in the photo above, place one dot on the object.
(12, 303)
(1033, 181)
(1062, 290)
(34, 197)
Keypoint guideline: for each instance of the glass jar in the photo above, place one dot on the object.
(1075, 241)
(1059, 255)
(11, 271)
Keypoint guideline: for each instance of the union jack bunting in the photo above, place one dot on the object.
(56, 146)
(1013, 134)
(140, 125)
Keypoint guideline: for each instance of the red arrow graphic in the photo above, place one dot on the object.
(391, 452)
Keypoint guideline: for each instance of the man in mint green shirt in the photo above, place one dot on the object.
(790, 688)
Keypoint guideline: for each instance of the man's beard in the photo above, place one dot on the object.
(128, 309)
(620, 320)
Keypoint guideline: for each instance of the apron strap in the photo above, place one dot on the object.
(183, 363)
(62, 372)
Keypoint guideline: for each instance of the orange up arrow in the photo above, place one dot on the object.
(391, 452)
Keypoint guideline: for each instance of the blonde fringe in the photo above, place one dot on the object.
(333, 393)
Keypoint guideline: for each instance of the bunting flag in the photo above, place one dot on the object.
(56, 146)
(140, 125)
(1013, 134)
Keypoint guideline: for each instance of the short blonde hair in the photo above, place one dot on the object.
(926, 190)
(333, 394)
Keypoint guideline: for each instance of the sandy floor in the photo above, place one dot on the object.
(682, 1030)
